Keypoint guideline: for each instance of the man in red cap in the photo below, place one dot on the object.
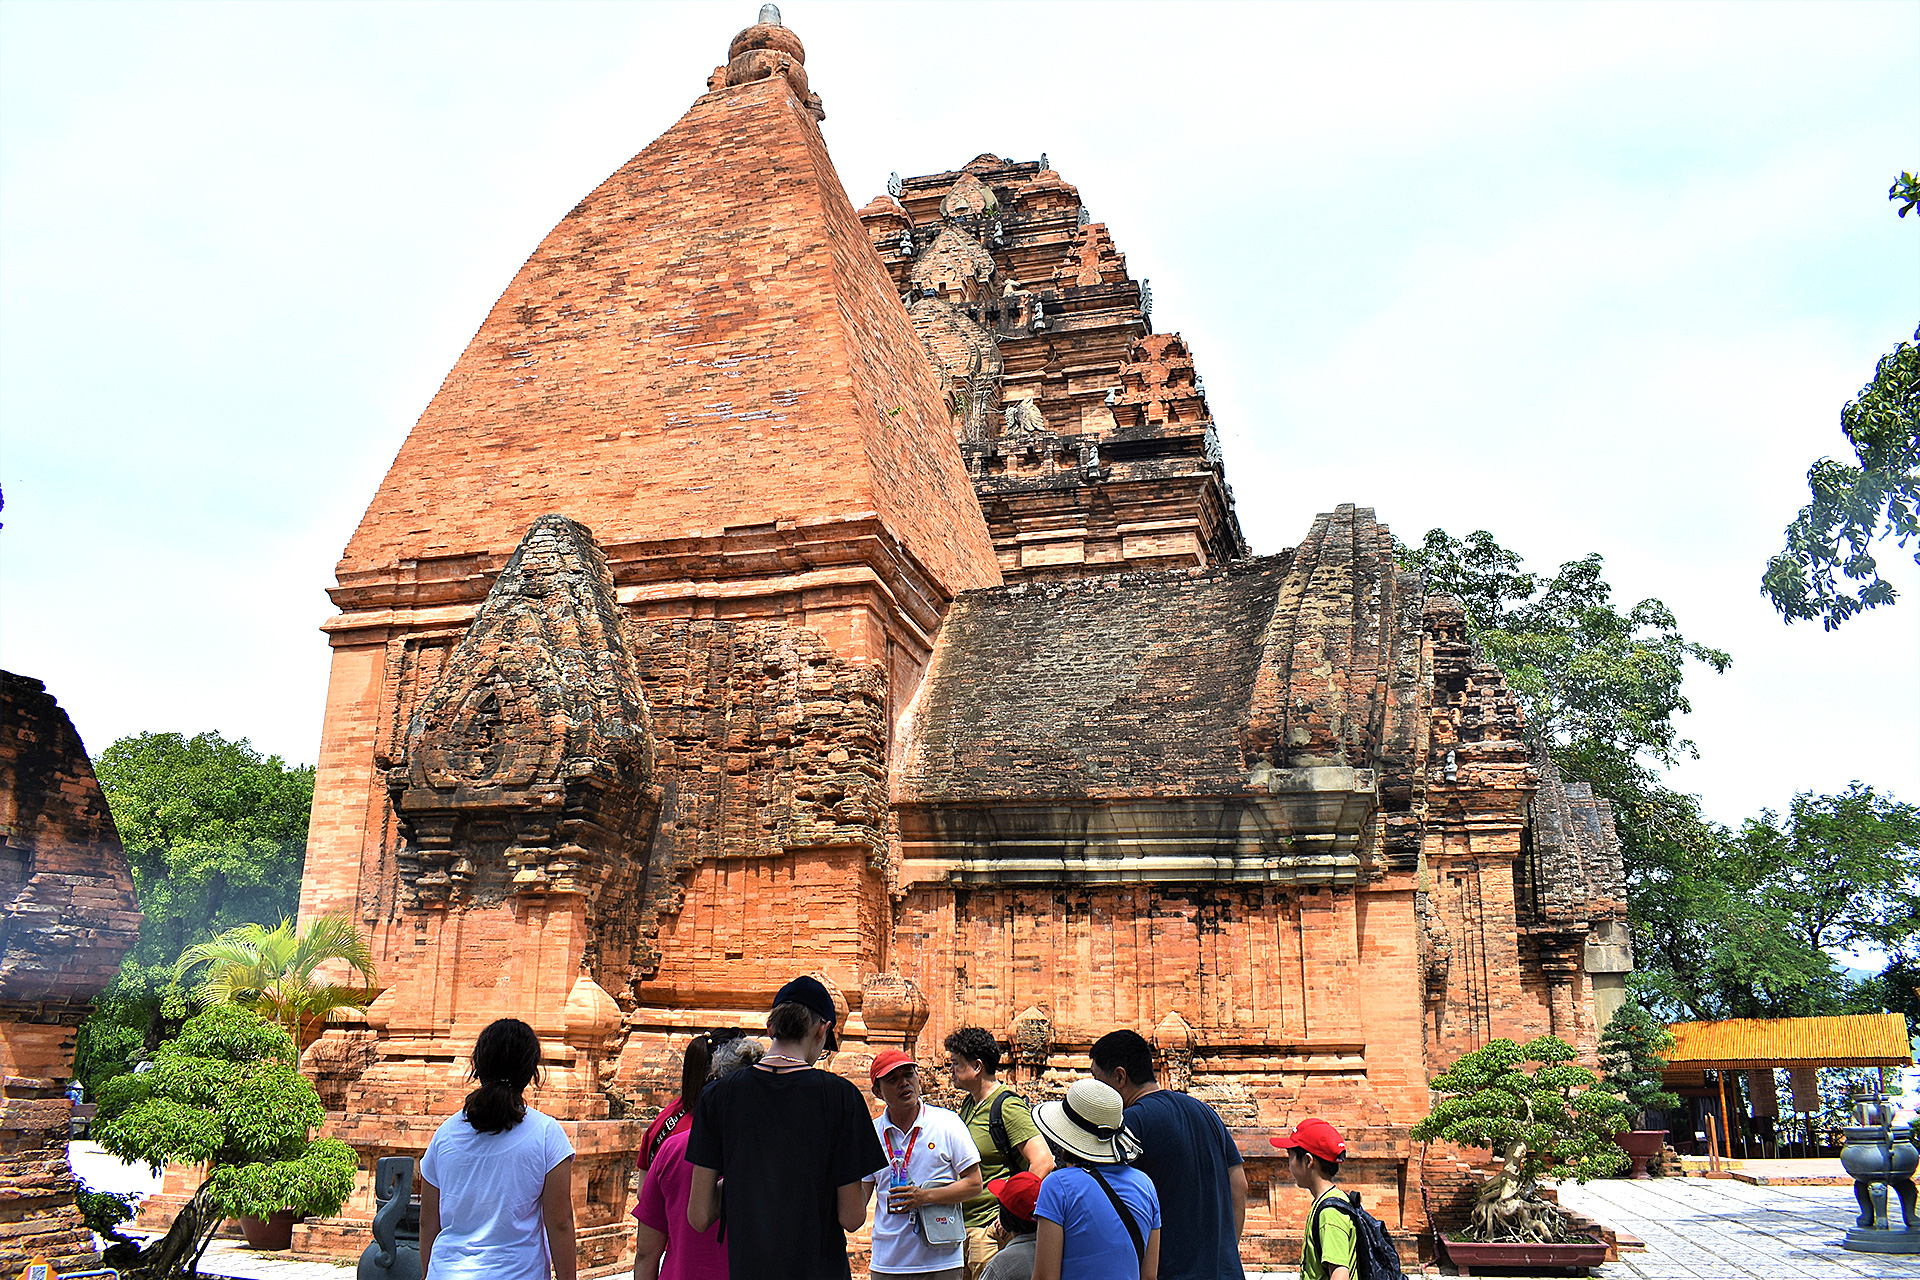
(1314, 1151)
(1017, 1228)
(932, 1169)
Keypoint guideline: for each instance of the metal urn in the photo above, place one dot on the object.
(395, 1251)
(1880, 1155)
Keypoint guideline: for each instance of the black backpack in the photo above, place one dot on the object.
(1374, 1256)
(997, 1129)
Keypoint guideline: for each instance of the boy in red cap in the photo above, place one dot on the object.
(1314, 1151)
(1018, 1196)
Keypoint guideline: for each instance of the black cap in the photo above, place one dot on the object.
(810, 991)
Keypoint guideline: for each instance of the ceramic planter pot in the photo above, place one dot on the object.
(270, 1234)
(1641, 1145)
(1468, 1254)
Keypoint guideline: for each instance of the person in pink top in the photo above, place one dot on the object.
(696, 1067)
(670, 1249)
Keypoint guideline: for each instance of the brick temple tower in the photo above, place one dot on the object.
(775, 587)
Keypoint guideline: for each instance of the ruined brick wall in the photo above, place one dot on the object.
(67, 915)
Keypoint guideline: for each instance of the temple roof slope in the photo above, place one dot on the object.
(706, 341)
(1247, 721)
(1133, 684)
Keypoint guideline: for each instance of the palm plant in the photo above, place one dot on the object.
(272, 972)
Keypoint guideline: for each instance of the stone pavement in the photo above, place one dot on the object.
(1697, 1229)
(1694, 1230)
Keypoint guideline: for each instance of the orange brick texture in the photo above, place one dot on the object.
(70, 914)
(775, 589)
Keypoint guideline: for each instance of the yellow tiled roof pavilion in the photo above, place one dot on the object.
(1852, 1040)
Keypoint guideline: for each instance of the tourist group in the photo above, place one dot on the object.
(764, 1163)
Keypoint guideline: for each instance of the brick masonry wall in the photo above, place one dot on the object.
(69, 915)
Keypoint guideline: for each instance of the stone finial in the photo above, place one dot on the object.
(1174, 1040)
(1032, 1038)
(893, 1009)
(768, 49)
(590, 1013)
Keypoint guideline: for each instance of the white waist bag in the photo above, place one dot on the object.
(941, 1226)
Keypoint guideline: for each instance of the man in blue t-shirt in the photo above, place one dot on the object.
(1191, 1158)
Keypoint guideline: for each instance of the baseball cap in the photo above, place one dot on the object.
(1020, 1194)
(810, 991)
(1315, 1137)
(886, 1062)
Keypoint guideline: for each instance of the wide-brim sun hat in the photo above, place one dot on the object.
(1089, 1123)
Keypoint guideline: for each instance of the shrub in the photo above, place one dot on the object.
(225, 1092)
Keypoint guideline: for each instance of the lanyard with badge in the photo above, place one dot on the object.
(898, 1162)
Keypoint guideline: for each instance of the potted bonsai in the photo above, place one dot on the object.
(1633, 1052)
(1554, 1118)
(225, 1093)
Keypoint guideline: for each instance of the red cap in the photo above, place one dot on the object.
(1315, 1137)
(887, 1062)
(1020, 1194)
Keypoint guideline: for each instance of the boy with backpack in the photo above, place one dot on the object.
(1343, 1241)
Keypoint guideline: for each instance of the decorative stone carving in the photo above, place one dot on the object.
(1174, 1040)
(1032, 1038)
(528, 767)
(893, 1009)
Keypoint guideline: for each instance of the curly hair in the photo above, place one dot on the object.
(977, 1044)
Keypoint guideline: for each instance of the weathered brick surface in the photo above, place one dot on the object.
(1087, 435)
(67, 915)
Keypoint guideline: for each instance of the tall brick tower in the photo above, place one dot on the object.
(773, 587)
(624, 636)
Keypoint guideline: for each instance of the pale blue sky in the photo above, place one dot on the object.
(1591, 277)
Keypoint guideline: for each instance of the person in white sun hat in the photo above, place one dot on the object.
(1098, 1218)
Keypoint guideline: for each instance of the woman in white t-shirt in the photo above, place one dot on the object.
(496, 1193)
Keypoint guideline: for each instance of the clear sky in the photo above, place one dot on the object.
(1592, 277)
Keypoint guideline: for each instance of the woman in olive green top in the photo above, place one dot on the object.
(973, 1055)
(1314, 1150)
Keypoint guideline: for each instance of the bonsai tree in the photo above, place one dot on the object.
(1633, 1052)
(225, 1093)
(1555, 1118)
(271, 971)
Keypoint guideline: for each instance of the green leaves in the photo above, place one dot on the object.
(1490, 1100)
(270, 971)
(1601, 688)
(226, 1091)
(216, 835)
(1633, 1049)
(316, 1181)
(1827, 545)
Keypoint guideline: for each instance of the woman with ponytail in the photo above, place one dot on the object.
(496, 1193)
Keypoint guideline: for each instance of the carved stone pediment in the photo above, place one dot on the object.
(528, 765)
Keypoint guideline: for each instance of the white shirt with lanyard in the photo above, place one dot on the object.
(937, 1148)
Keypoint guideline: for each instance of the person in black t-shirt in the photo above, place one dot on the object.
(781, 1152)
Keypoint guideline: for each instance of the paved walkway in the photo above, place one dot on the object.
(1697, 1229)
(1694, 1229)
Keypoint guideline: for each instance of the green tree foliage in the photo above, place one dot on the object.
(1633, 1050)
(1726, 923)
(1601, 687)
(1489, 1099)
(1744, 924)
(271, 971)
(1827, 569)
(226, 1092)
(216, 835)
